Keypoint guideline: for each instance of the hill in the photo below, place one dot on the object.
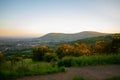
(61, 37)
(92, 40)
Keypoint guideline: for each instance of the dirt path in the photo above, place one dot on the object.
(94, 73)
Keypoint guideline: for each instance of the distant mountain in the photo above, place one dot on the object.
(62, 37)
(92, 40)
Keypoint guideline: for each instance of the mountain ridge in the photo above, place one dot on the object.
(58, 37)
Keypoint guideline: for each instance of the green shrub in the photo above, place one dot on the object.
(50, 57)
(39, 52)
(67, 62)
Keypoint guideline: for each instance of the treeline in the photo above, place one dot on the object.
(44, 53)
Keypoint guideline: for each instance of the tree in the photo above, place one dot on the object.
(39, 52)
(101, 47)
(81, 49)
(1, 57)
(64, 50)
(115, 44)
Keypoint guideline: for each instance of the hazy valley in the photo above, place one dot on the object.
(51, 39)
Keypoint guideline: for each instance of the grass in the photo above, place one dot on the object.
(90, 60)
(27, 68)
(78, 78)
(113, 78)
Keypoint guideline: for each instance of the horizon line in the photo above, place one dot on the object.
(54, 33)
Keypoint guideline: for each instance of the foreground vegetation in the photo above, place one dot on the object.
(114, 78)
(90, 60)
(27, 68)
(80, 78)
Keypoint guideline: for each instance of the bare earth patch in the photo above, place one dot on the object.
(91, 72)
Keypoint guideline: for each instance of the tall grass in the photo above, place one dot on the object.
(90, 60)
(27, 68)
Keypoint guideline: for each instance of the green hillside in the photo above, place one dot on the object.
(59, 37)
(92, 40)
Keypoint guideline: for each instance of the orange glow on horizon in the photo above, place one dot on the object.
(17, 33)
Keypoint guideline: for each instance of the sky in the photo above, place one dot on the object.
(32, 18)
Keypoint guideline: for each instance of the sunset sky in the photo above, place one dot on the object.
(32, 18)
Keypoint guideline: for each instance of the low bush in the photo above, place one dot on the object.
(50, 57)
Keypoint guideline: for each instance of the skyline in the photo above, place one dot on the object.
(33, 18)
